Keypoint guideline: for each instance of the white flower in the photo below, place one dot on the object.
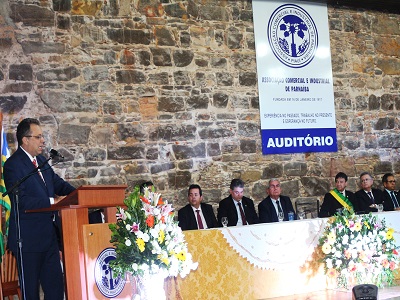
(156, 247)
(156, 211)
(128, 242)
(154, 268)
(154, 232)
(345, 239)
(144, 236)
(329, 264)
(144, 267)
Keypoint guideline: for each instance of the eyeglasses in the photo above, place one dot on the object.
(391, 181)
(38, 137)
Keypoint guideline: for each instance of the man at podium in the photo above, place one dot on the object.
(33, 184)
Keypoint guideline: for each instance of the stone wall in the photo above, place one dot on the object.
(167, 91)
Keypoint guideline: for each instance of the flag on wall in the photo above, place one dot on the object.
(4, 201)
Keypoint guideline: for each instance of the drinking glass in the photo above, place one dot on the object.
(224, 221)
(380, 207)
(339, 211)
(280, 216)
(301, 215)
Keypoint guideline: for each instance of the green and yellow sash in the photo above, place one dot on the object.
(342, 199)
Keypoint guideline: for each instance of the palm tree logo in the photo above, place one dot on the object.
(293, 27)
(108, 283)
(292, 35)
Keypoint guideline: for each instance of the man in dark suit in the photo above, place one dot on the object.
(238, 209)
(391, 198)
(367, 198)
(196, 215)
(38, 247)
(269, 208)
(337, 198)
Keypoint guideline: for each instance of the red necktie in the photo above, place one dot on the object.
(199, 221)
(242, 214)
(35, 164)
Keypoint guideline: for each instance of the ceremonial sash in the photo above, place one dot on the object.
(342, 199)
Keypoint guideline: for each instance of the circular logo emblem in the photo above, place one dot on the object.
(292, 35)
(107, 284)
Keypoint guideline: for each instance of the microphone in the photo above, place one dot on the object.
(55, 153)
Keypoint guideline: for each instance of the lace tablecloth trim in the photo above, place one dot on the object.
(276, 246)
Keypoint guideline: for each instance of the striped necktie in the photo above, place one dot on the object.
(371, 197)
(394, 199)
(38, 170)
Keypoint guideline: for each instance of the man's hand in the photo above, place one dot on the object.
(58, 198)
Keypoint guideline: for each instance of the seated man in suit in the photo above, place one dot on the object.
(391, 198)
(337, 198)
(96, 216)
(196, 215)
(238, 209)
(367, 197)
(269, 208)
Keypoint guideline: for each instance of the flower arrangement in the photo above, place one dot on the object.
(359, 247)
(146, 238)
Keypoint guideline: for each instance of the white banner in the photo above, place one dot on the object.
(294, 77)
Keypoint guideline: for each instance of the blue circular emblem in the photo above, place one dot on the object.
(107, 284)
(292, 35)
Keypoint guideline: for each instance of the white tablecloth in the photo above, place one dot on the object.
(279, 246)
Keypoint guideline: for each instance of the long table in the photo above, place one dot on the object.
(257, 261)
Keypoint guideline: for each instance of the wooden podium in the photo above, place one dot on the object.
(74, 211)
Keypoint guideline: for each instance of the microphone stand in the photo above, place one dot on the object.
(14, 190)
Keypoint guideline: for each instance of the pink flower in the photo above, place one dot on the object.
(148, 209)
(385, 263)
(166, 210)
(121, 215)
(352, 268)
(135, 227)
(332, 273)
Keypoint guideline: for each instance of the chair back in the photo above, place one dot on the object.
(310, 207)
(9, 276)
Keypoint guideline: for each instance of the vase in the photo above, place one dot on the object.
(148, 287)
